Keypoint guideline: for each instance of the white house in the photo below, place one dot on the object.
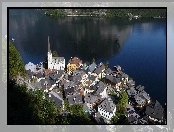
(107, 109)
(57, 63)
(30, 66)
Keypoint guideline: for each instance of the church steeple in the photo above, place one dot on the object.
(49, 45)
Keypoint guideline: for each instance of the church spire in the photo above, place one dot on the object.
(48, 45)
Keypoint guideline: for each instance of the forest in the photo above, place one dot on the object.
(108, 13)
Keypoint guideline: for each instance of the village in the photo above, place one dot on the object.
(93, 86)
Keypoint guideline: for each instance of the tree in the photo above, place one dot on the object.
(55, 54)
(121, 109)
(29, 107)
(106, 64)
(16, 65)
(93, 60)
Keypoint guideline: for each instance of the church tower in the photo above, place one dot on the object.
(49, 55)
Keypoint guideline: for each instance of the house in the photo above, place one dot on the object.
(75, 99)
(91, 80)
(57, 63)
(47, 72)
(101, 89)
(45, 83)
(86, 65)
(99, 118)
(108, 71)
(79, 75)
(107, 109)
(56, 98)
(113, 80)
(131, 114)
(73, 64)
(89, 89)
(39, 76)
(145, 95)
(117, 68)
(30, 73)
(131, 92)
(69, 88)
(139, 88)
(99, 71)
(92, 67)
(130, 83)
(124, 77)
(30, 66)
(140, 100)
(92, 100)
(155, 112)
(69, 91)
(56, 75)
(36, 85)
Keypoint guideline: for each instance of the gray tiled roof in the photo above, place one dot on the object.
(130, 83)
(92, 67)
(30, 73)
(69, 90)
(78, 99)
(155, 110)
(69, 84)
(100, 87)
(144, 94)
(108, 106)
(139, 99)
(52, 82)
(91, 98)
(131, 92)
(108, 71)
(72, 99)
(99, 68)
(124, 75)
(140, 88)
(91, 77)
(56, 75)
(45, 81)
(39, 75)
(37, 85)
(113, 79)
(55, 98)
(57, 59)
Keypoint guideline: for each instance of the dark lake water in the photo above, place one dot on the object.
(138, 46)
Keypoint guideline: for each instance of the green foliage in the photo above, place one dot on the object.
(55, 54)
(93, 60)
(121, 109)
(16, 65)
(110, 13)
(66, 105)
(55, 12)
(26, 107)
(106, 64)
(4, 60)
(74, 115)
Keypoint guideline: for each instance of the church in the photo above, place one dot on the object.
(57, 63)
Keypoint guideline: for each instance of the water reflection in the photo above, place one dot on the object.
(71, 36)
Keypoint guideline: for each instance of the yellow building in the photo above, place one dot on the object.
(73, 64)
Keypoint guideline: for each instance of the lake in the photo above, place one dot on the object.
(138, 46)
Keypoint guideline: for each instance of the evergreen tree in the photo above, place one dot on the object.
(55, 54)
(93, 60)
(16, 65)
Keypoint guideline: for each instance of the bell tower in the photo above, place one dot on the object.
(49, 55)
